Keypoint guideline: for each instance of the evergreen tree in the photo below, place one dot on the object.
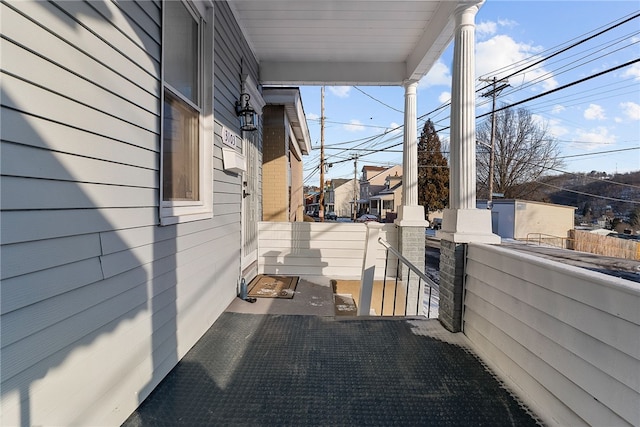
(433, 171)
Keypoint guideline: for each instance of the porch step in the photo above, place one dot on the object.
(351, 289)
(344, 305)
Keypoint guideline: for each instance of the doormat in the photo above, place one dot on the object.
(267, 286)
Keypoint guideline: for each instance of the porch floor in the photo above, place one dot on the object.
(313, 368)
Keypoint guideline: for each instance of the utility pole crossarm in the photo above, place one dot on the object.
(493, 92)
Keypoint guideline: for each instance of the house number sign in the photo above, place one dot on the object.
(229, 138)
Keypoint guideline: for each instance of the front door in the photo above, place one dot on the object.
(250, 210)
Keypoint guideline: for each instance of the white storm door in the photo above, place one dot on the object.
(250, 205)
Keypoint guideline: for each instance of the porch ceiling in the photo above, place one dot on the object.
(364, 42)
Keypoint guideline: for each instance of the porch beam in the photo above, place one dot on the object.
(332, 73)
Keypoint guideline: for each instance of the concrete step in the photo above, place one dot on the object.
(351, 289)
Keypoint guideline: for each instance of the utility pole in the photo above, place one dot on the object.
(355, 185)
(492, 156)
(321, 201)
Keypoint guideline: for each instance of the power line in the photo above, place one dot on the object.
(601, 152)
(626, 64)
(377, 100)
(589, 194)
(570, 47)
(372, 140)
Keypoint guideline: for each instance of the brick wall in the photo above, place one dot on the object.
(411, 246)
(275, 191)
(451, 283)
(297, 190)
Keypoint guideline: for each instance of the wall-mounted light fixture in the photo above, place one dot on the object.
(248, 116)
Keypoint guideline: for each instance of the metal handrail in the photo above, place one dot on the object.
(408, 263)
(422, 277)
(549, 236)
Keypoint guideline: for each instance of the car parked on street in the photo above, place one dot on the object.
(367, 218)
(331, 215)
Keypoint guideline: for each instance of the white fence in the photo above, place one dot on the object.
(332, 250)
(568, 338)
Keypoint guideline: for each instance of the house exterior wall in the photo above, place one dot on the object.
(552, 220)
(516, 219)
(565, 336)
(275, 185)
(297, 190)
(98, 301)
(344, 198)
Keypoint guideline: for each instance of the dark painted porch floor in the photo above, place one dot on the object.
(282, 369)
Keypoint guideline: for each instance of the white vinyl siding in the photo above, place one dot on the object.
(560, 332)
(317, 249)
(98, 301)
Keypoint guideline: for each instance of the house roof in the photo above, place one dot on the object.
(514, 201)
(340, 181)
(374, 42)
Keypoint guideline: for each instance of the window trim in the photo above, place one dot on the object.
(173, 212)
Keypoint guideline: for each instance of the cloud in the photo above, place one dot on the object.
(593, 138)
(340, 91)
(594, 112)
(486, 28)
(631, 110)
(555, 128)
(392, 128)
(444, 97)
(489, 28)
(313, 116)
(439, 75)
(557, 109)
(507, 23)
(633, 71)
(354, 126)
(502, 51)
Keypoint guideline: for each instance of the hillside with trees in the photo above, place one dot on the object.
(596, 195)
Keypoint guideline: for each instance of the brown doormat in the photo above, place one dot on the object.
(267, 286)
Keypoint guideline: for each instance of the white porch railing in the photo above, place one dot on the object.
(323, 250)
(569, 338)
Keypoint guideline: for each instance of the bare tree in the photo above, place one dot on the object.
(524, 152)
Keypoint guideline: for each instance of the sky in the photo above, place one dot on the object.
(596, 123)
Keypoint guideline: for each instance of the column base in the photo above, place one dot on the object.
(411, 216)
(467, 226)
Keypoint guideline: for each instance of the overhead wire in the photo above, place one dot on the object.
(372, 139)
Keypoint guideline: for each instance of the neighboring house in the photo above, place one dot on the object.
(522, 219)
(131, 195)
(340, 196)
(386, 203)
(286, 139)
(374, 180)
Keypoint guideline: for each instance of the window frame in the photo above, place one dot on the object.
(173, 212)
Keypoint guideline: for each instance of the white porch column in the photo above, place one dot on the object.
(462, 222)
(410, 219)
(410, 213)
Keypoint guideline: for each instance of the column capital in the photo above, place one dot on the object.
(409, 84)
(469, 8)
